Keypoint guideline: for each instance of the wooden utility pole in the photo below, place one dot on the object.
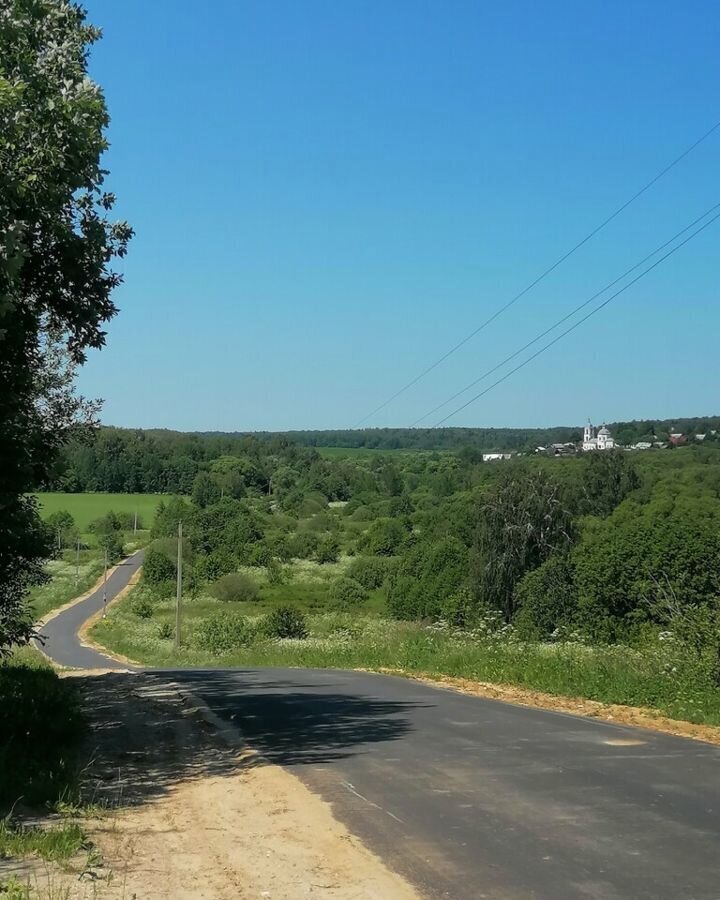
(104, 612)
(135, 524)
(178, 595)
(77, 563)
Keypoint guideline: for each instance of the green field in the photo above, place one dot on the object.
(359, 452)
(85, 508)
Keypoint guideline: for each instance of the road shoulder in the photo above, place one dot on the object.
(193, 815)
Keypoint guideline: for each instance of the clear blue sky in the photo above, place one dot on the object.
(327, 195)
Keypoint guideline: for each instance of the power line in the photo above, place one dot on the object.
(540, 277)
(567, 316)
(578, 323)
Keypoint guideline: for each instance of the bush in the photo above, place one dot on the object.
(157, 566)
(275, 573)
(223, 632)
(346, 592)
(370, 571)
(303, 545)
(216, 564)
(285, 622)
(546, 599)
(142, 607)
(259, 555)
(385, 537)
(362, 514)
(328, 550)
(165, 631)
(235, 587)
(427, 578)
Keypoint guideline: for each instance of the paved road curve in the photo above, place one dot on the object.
(61, 642)
(472, 798)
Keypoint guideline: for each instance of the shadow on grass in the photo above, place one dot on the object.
(144, 740)
(41, 730)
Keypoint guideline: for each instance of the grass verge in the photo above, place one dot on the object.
(55, 844)
(661, 676)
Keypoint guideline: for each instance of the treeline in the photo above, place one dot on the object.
(439, 439)
(490, 439)
(207, 467)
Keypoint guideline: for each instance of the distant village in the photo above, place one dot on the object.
(601, 439)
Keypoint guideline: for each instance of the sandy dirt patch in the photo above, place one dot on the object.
(191, 818)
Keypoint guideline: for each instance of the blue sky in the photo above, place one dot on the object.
(327, 196)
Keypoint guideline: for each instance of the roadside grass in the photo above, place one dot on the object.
(67, 580)
(659, 676)
(41, 729)
(54, 844)
(85, 508)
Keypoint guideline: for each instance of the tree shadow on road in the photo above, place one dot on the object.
(291, 723)
(144, 738)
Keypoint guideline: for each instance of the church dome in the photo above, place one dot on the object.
(604, 431)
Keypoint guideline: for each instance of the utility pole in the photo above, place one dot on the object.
(77, 563)
(135, 525)
(104, 612)
(178, 596)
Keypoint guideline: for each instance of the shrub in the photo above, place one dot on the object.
(216, 564)
(165, 631)
(460, 609)
(303, 545)
(280, 547)
(328, 550)
(362, 514)
(259, 555)
(285, 622)
(235, 587)
(142, 607)
(546, 599)
(427, 578)
(346, 592)
(385, 536)
(275, 573)
(222, 632)
(370, 571)
(157, 566)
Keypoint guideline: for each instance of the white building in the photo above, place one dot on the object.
(492, 457)
(597, 439)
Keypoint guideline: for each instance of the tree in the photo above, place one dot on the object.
(109, 536)
(205, 490)
(521, 521)
(158, 566)
(56, 245)
(608, 478)
(62, 525)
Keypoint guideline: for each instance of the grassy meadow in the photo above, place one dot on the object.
(660, 677)
(85, 508)
(72, 573)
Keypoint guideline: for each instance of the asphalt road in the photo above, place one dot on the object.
(60, 641)
(472, 798)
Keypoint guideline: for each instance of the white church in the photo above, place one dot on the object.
(597, 438)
